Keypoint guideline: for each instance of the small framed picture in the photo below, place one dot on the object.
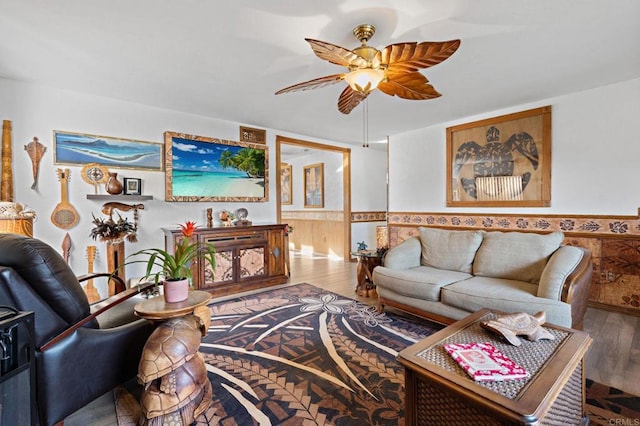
(314, 185)
(132, 186)
(285, 184)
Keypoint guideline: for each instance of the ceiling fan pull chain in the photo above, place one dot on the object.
(365, 123)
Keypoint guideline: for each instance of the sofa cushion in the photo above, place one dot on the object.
(425, 308)
(506, 296)
(515, 255)
(452, 250)
(422, 282)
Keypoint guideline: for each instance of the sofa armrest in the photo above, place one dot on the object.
(97, 309)
(567, 277)
(404, 256)
(576, 289)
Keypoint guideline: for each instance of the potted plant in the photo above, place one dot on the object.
(174, 269)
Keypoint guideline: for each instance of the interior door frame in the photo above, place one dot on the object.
(346, 181)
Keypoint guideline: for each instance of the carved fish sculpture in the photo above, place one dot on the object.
(108, 208)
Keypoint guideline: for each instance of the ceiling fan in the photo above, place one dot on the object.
(393, 70)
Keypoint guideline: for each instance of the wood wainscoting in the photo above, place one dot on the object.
(614, 242)
(318, 232)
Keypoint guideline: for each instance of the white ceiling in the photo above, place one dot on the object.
(226, 59)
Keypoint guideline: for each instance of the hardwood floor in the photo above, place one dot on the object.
(614, 357)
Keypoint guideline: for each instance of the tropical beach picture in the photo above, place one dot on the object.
(206, 169)
(78, 148)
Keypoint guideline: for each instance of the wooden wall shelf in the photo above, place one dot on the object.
(119, 196)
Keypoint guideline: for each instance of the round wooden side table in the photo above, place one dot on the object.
(156, 308)
(367, 260)
(172, 371)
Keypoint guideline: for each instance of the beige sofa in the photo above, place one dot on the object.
(445, 275)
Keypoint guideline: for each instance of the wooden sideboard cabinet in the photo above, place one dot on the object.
(247, 257)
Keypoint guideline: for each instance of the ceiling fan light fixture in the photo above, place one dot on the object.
(364, 80)
(394, 70)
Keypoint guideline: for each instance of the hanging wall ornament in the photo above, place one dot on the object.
(66, 247)
(35, 150)
(64, 215)
(6, 186)
(94, 174)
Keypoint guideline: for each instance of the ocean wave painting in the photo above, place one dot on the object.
(76, 148)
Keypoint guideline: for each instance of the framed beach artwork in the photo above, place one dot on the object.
(314, 185)
(80, 148)
(199, 168)
(502, 161)
(286, 196)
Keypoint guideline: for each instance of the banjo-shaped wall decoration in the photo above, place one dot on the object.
(64, 215)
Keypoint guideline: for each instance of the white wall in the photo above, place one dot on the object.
(369, 191)
(368, 185)
(595, 154)
(332, 174)
(37, 111)
(369, 172)
(365, 231)
(594, 160)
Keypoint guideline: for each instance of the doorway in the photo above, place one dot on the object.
(341, 227)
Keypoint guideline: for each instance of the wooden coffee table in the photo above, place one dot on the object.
(439, 392)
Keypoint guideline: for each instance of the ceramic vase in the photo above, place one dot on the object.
(176, 291)
(113, 185)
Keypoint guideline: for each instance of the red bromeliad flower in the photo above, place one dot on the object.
(188, 228)
(165, 266)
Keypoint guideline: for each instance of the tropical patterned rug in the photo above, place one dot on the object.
(611, 406)
(301, 355)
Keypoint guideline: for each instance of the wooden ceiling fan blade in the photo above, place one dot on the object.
(335, 54)
(313, 84)
(412, 86)
(349, 99)
(410, 57)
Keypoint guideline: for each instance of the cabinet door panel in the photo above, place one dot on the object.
(251, 262)
(224, 269)
(277, 254)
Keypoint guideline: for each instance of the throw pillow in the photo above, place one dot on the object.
(451, 250)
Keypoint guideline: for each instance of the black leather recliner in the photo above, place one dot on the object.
(82, 350)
